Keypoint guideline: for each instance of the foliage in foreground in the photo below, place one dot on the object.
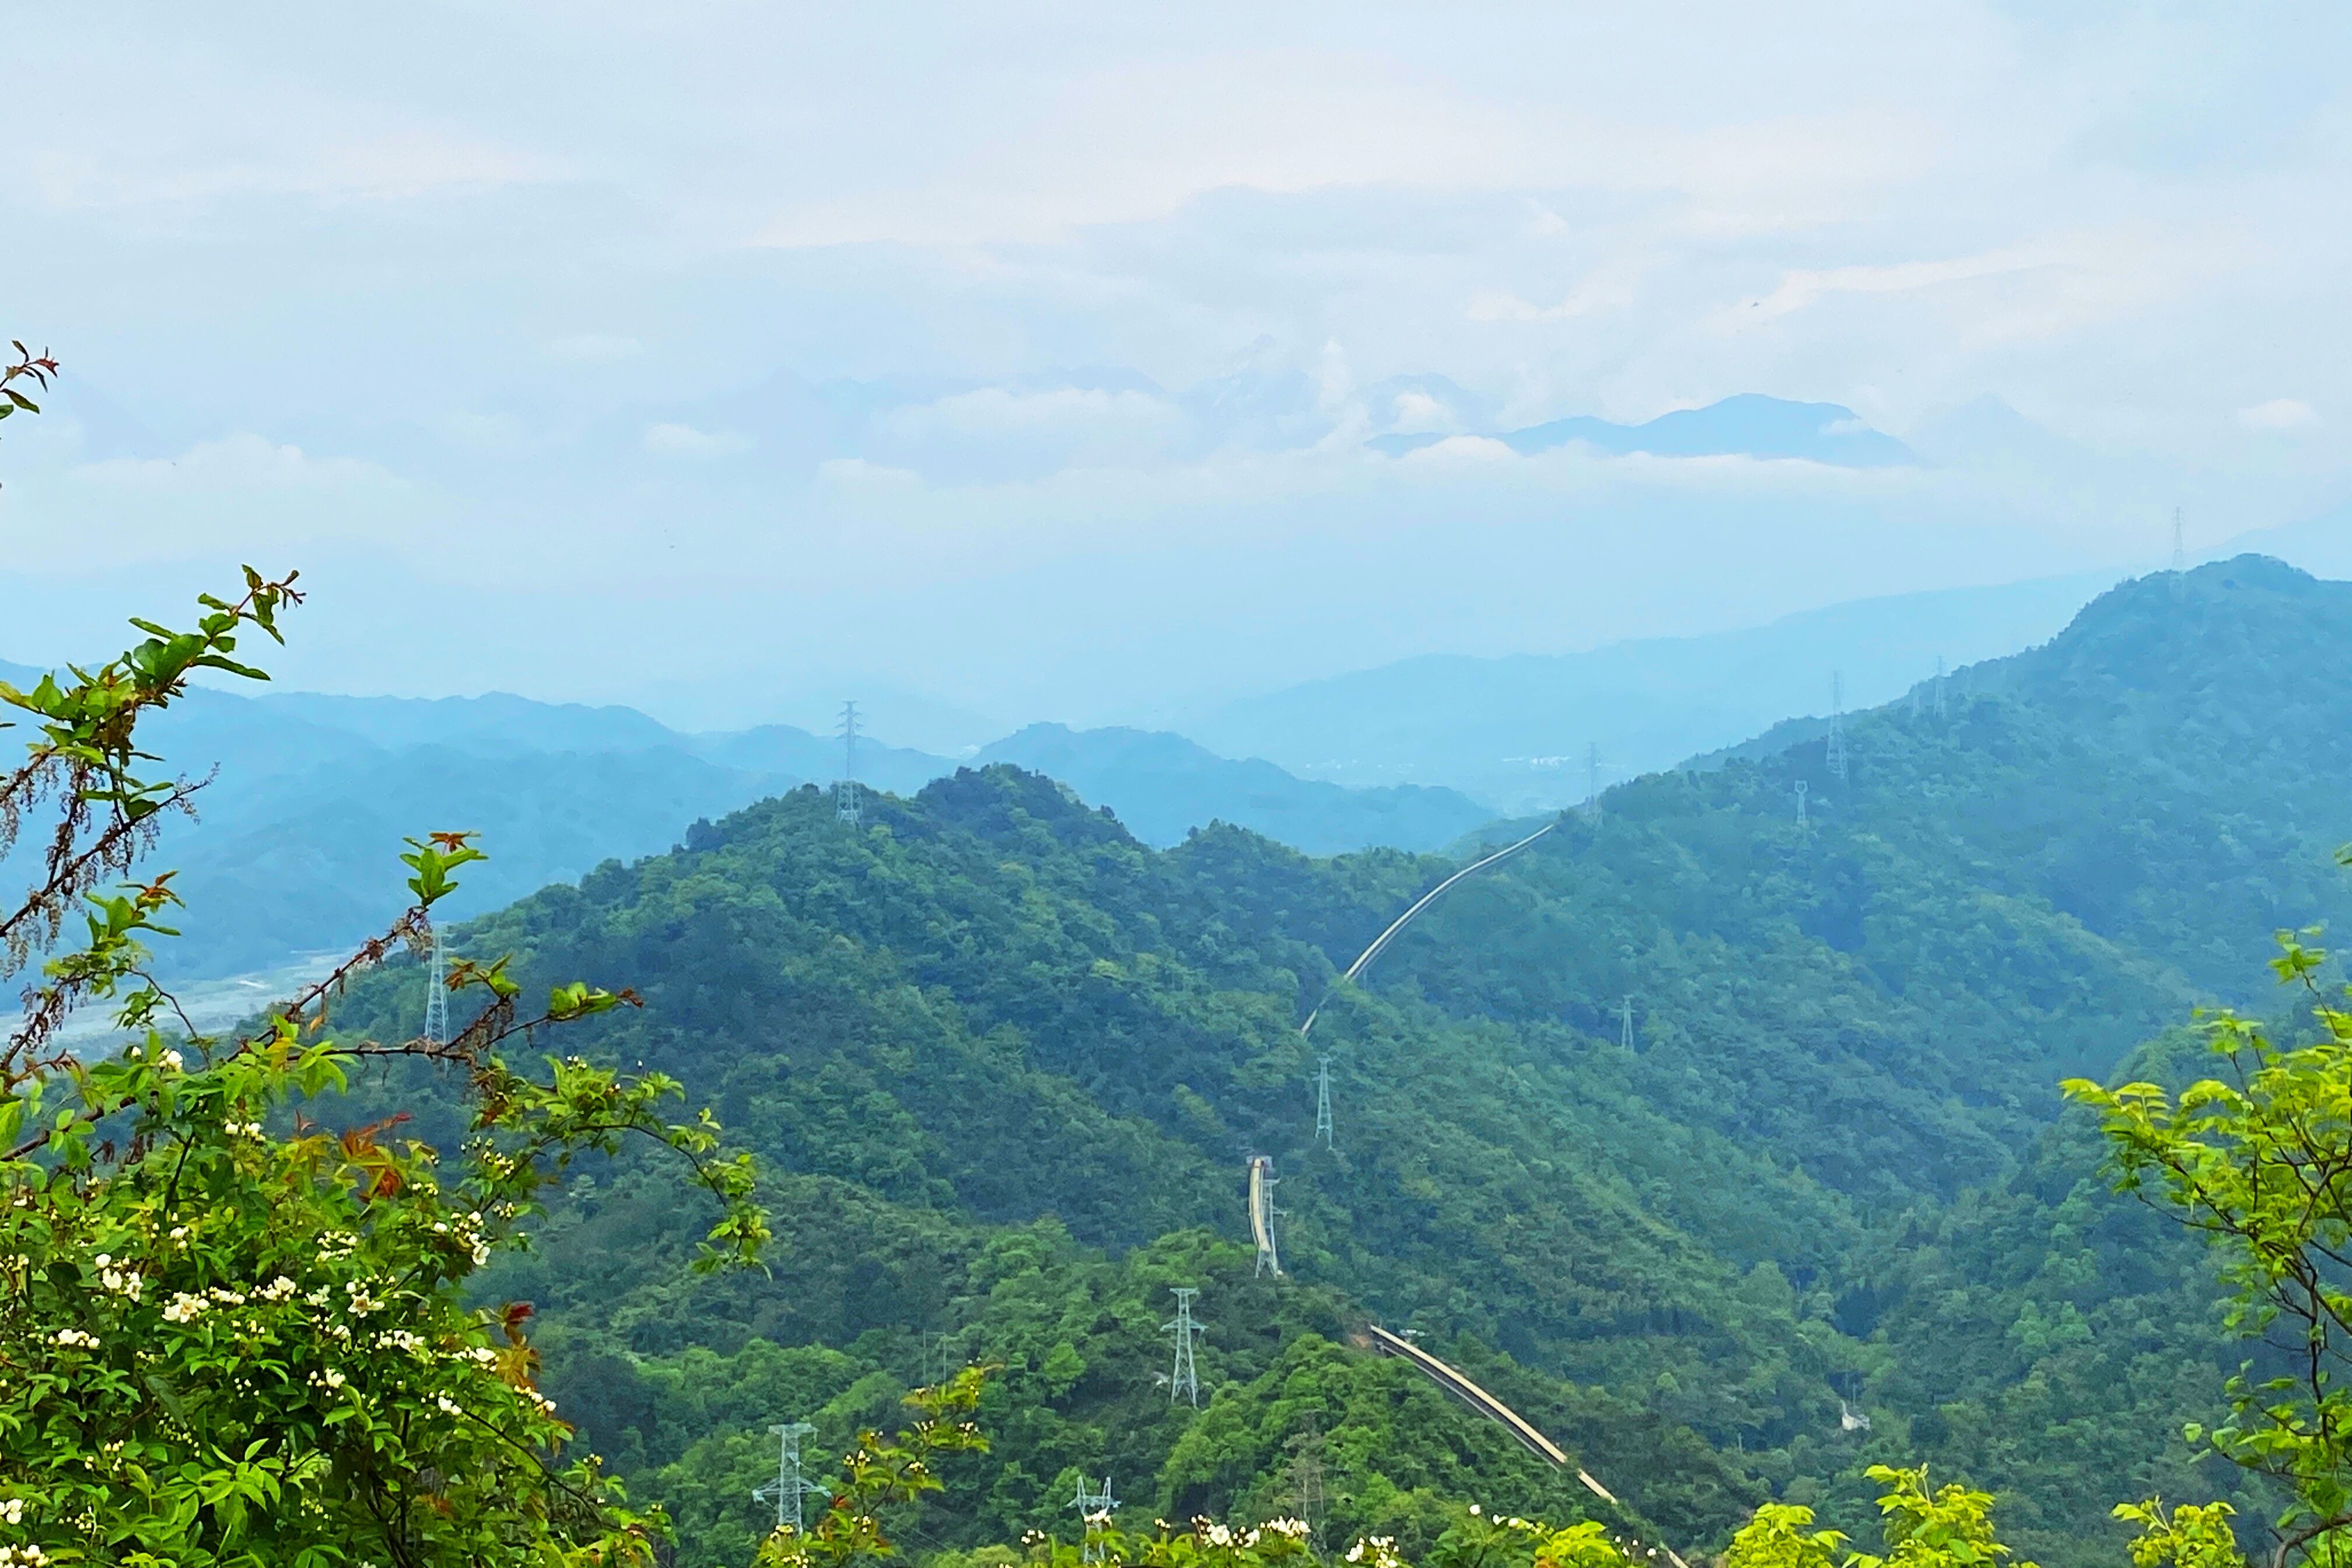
(229, 1335)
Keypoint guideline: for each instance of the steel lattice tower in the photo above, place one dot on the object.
(1837, 726)
(1094, 1508)
(847, 805)
(1626, 1037)
(436, 994)
(1184, 1382)
(1800, 801)
(1262, 1181)
(1939, 686)
(1323, 1102)
(1307, 1475)
(788, 1488)
(1593, 780)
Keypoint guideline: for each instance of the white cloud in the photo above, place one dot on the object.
(1419, 411)
(392, 167)
(857, 474)
(244, 462)
(594, 348)
(2279, 414)
(1453, 448)
(995, 410)
(686, 441)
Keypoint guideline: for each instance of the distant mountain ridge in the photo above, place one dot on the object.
(1517, 731)
(1750, 424)
(293, 850)
(1168, 783)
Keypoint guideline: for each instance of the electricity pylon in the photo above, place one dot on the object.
(1095, 1509)
(1184, 1382)
(1323, 1102)
(847, 805)
(1837, 726)
(436, 994)
(788, 1488)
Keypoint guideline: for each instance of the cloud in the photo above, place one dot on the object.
(1472, 448)
(594, 348)
(857, 474)
(2279, 414)
(686, 441)
(394, 167)
(241, 462)
(997, 410)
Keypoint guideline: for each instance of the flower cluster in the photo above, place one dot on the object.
(125, 1281)
(28, 1557)
(70, 1339)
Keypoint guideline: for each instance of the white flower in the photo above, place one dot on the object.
(277, 1289)
(172, 1060)
(13, 1510)
(70, 1338)
(184, 1308)
(447, 1405)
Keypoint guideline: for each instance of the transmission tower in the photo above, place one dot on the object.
(788, 1488)
(1323, 1102)
(1837, 726)
(1801, 787)
(2179, 557)
(1184, 1382)
(1625, 1034)
(1939, 686)
(847, 805)
(1307, 1474)
(1592, 781)
(436, 994)
(1095, 1509)
(1262, 1179)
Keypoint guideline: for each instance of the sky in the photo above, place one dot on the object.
(728, 359)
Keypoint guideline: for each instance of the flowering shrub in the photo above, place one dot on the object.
(229, 1335)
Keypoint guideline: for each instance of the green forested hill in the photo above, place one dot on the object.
(1007, 1062)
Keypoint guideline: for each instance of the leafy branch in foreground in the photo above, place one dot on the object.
(228, 1334)
(2260, 1160)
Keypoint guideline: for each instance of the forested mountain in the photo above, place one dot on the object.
(1007, 1059)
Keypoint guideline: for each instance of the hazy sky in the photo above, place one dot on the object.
(717, 356)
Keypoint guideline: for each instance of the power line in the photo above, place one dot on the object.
(847, 805)
(788, 1488)
(1184, 1382)
(1323, 1102)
